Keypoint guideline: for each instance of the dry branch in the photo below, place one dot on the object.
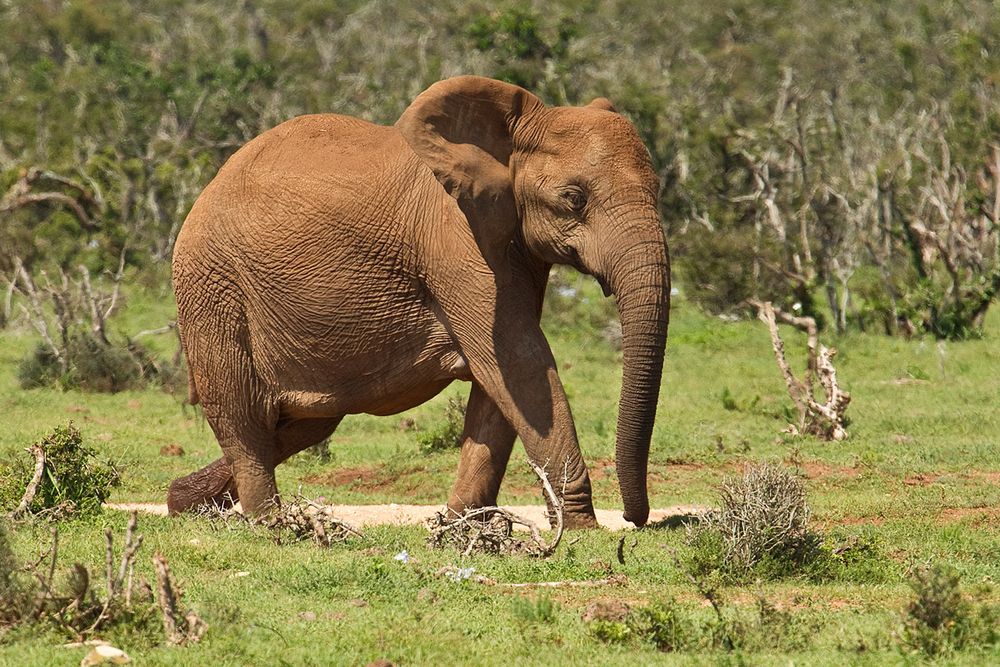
(458, 574)
(29, 492)
(491, 529)
(181, 629)
(77, 609)
(825, 419)
(301, 519)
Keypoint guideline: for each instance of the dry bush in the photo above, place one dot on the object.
(763, 516)
(78, 607)
(491, 529)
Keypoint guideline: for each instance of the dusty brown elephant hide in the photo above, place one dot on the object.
(335, 267)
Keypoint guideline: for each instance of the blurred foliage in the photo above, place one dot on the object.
(142, 101)
(447, 435)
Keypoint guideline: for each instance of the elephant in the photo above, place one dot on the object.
(335, 267)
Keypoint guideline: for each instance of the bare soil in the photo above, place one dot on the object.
(401, 515)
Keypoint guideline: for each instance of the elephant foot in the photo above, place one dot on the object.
(212, 485)
(578, 520)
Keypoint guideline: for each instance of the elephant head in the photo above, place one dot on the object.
(576, 186)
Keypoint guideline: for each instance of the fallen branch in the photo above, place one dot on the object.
(491, 529)
(302, 519)
(461, 574)
(32, 488)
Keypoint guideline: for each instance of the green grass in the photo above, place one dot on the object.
(919, 475)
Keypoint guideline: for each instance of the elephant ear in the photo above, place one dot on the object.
(462, 129)
(603, 103)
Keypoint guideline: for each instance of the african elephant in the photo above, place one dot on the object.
(335, 267)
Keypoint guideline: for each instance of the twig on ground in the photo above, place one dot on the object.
(491, 529)
(302, 519)
(460, 574)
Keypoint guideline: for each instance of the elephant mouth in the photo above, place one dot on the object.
(605, 287)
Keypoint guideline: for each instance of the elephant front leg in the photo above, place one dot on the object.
(515, 373)
(487, 442)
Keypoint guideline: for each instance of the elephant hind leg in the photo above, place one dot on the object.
(214, 484)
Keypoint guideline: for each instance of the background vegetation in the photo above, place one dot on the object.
(837, 153)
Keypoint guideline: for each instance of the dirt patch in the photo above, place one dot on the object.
(373, 479)
(921, 479)
(821, 470)
(977, 516)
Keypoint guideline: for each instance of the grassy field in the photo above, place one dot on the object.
(919, 476)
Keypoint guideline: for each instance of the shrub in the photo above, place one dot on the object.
(762, 518)
(941, 618)
(447, 435)
(761, 531)
(671, 627)
(73, 476)
(90, 365)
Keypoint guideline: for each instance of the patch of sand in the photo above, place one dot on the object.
(402, 515)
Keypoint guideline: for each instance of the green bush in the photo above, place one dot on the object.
(90, 366)
(671, 627)
(449, 434)
(73, 473)
(941, 619)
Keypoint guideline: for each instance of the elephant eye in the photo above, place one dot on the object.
(575, 197)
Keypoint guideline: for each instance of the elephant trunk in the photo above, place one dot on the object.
(640, 281)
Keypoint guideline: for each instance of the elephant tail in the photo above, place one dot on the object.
(192, 390)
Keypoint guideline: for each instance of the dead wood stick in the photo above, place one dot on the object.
(557, 507)
(132, 544)
(36, 478)
(765, 312)
(167, 599)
